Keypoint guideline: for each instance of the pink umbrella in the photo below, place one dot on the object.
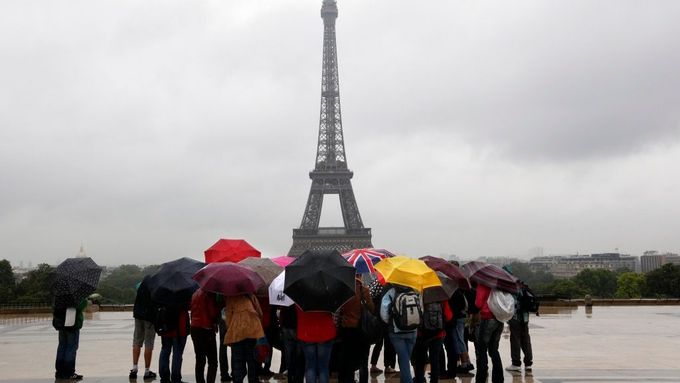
(283, 260)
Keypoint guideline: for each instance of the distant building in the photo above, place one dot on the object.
(652, 260)
(570, 265)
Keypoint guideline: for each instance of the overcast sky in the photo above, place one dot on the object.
(149, 129)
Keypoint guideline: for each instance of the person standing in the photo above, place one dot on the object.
(429, 341)
(243, 317)
(488, 336)
(173, 327)
(403, 339)
(204, 318)
(144, 333)
(68, 321)
(354, 349)
(316, 330)
(519, 337)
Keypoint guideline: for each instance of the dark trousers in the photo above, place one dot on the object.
(224, 360)
(520, 340)
(354, 352)
(420, 358)
(295, 358)
(449, 362)
(206, 349)
(488, 337)
(175, 346)
(243, 361)
(389, 357)
(65, 364)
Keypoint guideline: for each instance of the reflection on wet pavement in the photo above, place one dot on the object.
(571, 345)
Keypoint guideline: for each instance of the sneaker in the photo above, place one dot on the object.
(226, 378)
(513, 368)
(75, 377)
(465, 369)
(133, 374)
(390, 370)
(150, 375)
(375, 370)
(527, 368)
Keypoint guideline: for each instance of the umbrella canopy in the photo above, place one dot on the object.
(363, 259)
(386, 253)
(230, 250)
(283, 260)
(276, 295)
(409, 272)
(440, 293)
(320, 281)
(450, 270)
(491, 276)
(264, 267)
(74, 280)
(172, 283)
(228, 279)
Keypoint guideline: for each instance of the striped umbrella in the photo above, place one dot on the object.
(364, 259)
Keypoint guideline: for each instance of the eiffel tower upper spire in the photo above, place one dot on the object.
(330, 174)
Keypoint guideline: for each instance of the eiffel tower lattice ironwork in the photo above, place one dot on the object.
(330, 174)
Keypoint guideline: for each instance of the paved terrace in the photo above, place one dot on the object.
(607, 344)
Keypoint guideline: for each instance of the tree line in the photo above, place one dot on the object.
(119, 286)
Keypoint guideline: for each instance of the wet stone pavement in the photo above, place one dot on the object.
(571, 345)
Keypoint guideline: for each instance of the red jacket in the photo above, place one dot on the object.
(315, 326)
(481, 299)
(204, 310)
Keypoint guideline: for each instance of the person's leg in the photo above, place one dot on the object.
(200, 351)
(310, 362)
(403, 348)
(497, 369)
(526, 345)
(375, 355)
(211, 355)
(288, 353)
(164, 359)
(515, 336)
(389, 354)
(451, 358)
(72, 339)
(419, 359)
(253, 366)
(224, 361)
(435, 349)
(238, 361)
(299, 362)
(323, 352)
(483, 335)
(364, 351)
(346, 358)
(59, 370)
(178, 344)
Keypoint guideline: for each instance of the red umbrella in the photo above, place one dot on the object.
(228, 279)
(491, 276)
(230, 250)
(450, 270)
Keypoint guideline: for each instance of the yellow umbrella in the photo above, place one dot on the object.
(405, 271)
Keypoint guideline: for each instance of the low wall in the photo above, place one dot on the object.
(611, 302)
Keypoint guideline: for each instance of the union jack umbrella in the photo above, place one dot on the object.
(364, 259)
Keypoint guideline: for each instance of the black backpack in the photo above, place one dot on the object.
(528, 301)
(433, 317)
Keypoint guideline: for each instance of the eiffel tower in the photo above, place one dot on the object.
(330, 174)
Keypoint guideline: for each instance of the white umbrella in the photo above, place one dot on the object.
(276, 294)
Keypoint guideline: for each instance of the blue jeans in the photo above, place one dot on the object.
(317, 360)
(174, 345)
(488, 336)
(65, 364)
(243, 361)
(403, 343)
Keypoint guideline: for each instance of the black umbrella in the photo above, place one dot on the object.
(74, 280)
(320, 281)
(172, 284)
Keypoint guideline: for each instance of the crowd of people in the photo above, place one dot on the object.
(413, 333)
